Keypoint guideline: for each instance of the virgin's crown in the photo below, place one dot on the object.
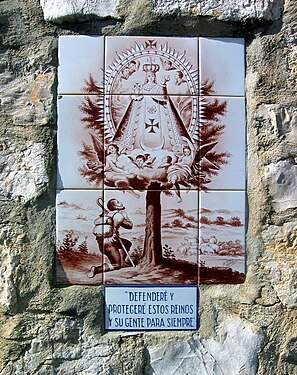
(151, 67)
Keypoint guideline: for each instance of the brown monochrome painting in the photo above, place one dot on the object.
(151, 182)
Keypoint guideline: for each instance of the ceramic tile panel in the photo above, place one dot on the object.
(80, 144)
(171, 243)
(80, 57)
(149, 142)
(78, 220)
(223, 139)
(151, 65)
(140, 150)
(222, 237)
(222, 62)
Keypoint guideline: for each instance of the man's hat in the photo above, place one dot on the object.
(113, 205)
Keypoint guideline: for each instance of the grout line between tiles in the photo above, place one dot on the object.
(148, 95)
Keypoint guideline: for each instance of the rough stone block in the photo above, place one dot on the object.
(230, 10)
(281, 179)
(23, 174)
(211, 356)
(9, 259)
(59, 10)
(279, 259)
(279, 123)
(28, 99)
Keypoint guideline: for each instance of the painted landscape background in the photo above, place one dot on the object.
(77, 249)
(222, 234)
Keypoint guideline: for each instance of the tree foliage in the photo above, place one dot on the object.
(69, 242)
(83, 247)
(211, 130)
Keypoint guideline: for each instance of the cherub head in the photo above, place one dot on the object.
(186, 151)
(113, 149)
(125, 73)
(147, 157)
(167, 159)
(140, 159)
(132, 66)
(137, 86)
(178, 78)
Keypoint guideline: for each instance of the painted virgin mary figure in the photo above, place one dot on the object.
(151, 121)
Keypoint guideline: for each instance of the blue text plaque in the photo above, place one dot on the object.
(151, 308)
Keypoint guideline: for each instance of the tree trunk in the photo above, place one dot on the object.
(152, 254)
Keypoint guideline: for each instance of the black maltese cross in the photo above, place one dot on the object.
(152, 125)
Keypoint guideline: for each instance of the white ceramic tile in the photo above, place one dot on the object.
(79, 56)
(77, 248)
(72, 136)
(222, 237)
(231, 141)
(151, 65)
(222, 62)
(178, 246)
(180, 226)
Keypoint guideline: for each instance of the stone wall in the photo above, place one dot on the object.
(244, 329)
